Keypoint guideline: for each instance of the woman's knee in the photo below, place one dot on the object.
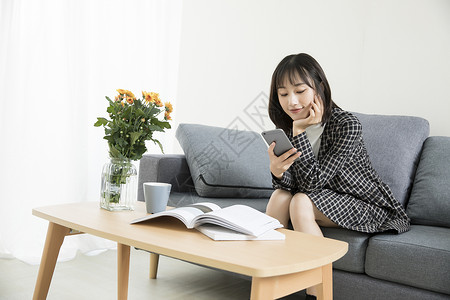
(281, 192)
(280, 195)
(278, 206)
(303, 208)
(279, 198)
(301, 205)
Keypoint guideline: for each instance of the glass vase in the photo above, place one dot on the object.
(119, 185)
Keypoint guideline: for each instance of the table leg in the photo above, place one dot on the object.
(53, 242)
(154, 260)
(280, 286)
(123, 270)
(325, 289)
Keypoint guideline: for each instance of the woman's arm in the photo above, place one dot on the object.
(286, 182)
(314, 176)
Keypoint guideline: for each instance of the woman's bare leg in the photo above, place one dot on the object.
(278, 206)
(322, 220)
(302, 215)
(305, 217)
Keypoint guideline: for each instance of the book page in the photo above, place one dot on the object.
(240, 218)
(219, 233)
(185, 214)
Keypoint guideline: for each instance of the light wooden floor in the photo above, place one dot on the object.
(94, 277)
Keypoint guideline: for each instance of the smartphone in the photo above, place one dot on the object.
(282, 143)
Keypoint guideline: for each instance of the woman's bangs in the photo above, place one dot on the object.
(292, 73)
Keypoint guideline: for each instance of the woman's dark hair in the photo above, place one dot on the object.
(310, 72)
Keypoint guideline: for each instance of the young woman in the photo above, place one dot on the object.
(333, 183)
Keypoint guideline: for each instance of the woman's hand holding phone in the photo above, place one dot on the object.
(280, 164)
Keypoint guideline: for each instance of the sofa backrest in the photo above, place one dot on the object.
(168, 168)
(394, 144)
(429, 203)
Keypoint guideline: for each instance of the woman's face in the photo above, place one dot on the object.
(296, 99)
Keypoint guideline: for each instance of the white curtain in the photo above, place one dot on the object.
(58, 61)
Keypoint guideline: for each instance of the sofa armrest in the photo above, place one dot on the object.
(168, 168)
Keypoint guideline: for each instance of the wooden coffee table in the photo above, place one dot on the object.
(277, 268)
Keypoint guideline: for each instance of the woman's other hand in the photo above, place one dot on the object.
(280, 164)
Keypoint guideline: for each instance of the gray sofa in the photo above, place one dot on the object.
(227, 166)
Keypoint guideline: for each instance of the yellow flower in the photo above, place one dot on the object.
(130, 100)
(169, 107)
(147, 96)
(152, 97)
(156, 100)
(167, 116)
(126, 92)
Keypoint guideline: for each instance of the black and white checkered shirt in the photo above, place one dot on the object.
(341, 182)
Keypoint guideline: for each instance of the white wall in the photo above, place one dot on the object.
(384, 57)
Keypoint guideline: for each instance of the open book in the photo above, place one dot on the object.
(236, 222)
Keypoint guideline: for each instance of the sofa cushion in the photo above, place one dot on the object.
(354, 259)
(419, 257)
(394, 144)
(226, 162)
(429, 203)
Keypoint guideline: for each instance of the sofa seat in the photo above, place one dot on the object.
(354, 259)
(419, 257)
(354, 286)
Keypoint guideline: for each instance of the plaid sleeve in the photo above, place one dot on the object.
(312, 175)
(285, 183)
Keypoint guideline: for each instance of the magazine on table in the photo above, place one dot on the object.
(236, 222)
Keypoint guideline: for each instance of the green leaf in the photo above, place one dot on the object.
(140, 112)
(100, 122)
(166, 125)
(155, 128)
(137, 104)
(133, 137)
(140, 149)
(159, 144)
(113, 152)
(162, 124)
(154, 110)
(108, 138)
(121, 142)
